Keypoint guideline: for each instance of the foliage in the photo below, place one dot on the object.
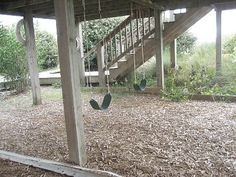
(185, 43)
(172, 91)
(96, 30)
(229, 46)
(196, 74)
(46, 50)
(57, 85)
(13, 64)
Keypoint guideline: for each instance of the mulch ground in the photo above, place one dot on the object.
(11, 169)
(140, 135)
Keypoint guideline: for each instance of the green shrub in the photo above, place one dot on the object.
(46, 50)
(96, 30)
(13, 63)
(57, 85)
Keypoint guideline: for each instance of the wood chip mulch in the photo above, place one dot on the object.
(140, 135)
(11, 169)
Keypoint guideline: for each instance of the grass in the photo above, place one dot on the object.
(204, 81)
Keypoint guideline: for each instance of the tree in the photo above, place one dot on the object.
(13, 64)
(229, 46)
(185, 43)
(96, 30)
(46, 48)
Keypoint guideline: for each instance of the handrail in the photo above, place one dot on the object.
(116, 39)
(121, 25)
(136, 44)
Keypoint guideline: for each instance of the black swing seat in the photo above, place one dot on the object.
(140, 87)
(105, 104)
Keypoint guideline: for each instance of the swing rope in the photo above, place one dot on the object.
(142, 85)
(132, 41)
(142, 40)
(105, 55)
(88, 80)
(107, 98)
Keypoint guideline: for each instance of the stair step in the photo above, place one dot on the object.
(114, 67)
(122, 60)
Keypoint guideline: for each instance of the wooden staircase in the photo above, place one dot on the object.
(125, 42)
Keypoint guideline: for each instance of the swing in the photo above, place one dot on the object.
(107, 98)
(142, 86)
(105, 103)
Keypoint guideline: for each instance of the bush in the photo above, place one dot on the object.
(96, 30)
(13, 63)
(185, 43)
(46, 50)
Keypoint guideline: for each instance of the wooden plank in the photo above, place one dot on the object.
(57, 167)
(126, 38)
(159, 49)
(24, 3)
(186, 21)
(137, 26)
(130, 48)
(32, 57)
(120, 41)
(80, 51)
(218, 41)
(178, 4)
(115, 46)
(100, 62)
(226, 6)
(149, 20)
(173, 54)
(64, 11)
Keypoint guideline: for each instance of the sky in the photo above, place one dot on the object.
(204, 30)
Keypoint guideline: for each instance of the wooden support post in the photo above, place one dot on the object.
(100, 62)
(159, 49)
(218, 40)
(31, 56)
(80, 51)
(64, 11)
(173, 54)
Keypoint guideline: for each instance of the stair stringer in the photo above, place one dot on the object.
(169, 34)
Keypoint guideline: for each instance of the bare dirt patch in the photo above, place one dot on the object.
(140, 135)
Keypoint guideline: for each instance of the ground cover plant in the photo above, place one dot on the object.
(196, 70)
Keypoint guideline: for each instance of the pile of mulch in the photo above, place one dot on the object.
(140, 135)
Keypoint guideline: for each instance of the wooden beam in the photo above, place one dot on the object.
(145, 3)
(226, 6)
(186, 21)
(218, 41)
(64, 10)
(159, 49)
(80, 51)
(31, 57)
(24, 3)
(177, 4)
(173, 54)
(57, 167)
(101, 65)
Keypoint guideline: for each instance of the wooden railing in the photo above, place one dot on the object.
(124, 38)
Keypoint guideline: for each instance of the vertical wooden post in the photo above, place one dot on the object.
(80, 51)
(100, 62)
(31, 57)
(159, 49)
(64, 11)
(173, 54)
(218, 40)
